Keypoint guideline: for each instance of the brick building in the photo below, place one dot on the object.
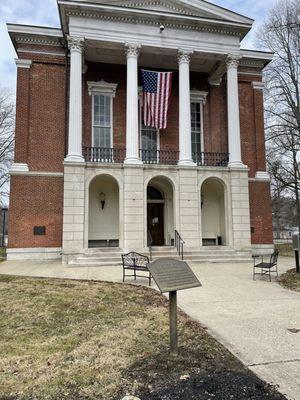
(89, 174)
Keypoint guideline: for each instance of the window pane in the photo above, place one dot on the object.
(196, 127)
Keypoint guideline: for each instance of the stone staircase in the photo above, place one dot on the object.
(112, 256)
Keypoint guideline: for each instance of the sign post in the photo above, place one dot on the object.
(296, 247)
(173, 321)
(171, 275)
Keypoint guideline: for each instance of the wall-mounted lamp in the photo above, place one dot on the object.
(102, 200)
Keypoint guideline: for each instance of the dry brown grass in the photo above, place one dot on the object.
(290, 280)
(63, 339)
(285, 249)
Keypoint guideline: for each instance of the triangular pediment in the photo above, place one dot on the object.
(197, 8)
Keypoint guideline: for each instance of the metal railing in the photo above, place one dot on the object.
(167, 157)
(207, 159)
(179, 242)
(104, 154)
(149, 244)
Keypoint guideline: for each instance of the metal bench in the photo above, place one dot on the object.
(266, 268)
(135, 262)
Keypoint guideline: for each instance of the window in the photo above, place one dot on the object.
(149, 141)
(198, 99)
(102, 121)
(196, 125)
(102, 113)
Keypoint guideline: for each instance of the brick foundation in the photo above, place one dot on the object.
(35, 201)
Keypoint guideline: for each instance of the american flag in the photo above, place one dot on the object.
(156, 96)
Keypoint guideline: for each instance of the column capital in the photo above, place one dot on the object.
(75, 43)
(132, 49)
(257, 85)
(184, 55)
(23, 63)
(232, 61)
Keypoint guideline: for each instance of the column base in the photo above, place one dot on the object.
(237, 164)
(189, 163)
(133, 160)
(74, 158)
(18, 167)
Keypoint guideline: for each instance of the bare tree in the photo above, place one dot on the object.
(281, 34)
(7, 126)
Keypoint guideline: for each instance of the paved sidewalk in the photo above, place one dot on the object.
(252, 319)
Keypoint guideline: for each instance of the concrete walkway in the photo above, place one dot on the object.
(252, 319)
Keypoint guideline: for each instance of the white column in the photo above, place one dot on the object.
(75, 102)
(234, 137)
(185, 141)
(132, 114)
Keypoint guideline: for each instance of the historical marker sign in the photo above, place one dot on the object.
(170, 274)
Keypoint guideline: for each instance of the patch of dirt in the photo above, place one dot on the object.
(290, 280)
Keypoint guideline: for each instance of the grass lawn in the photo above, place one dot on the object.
(77, 340)
(290, 280)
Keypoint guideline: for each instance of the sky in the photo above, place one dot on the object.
(44, 13)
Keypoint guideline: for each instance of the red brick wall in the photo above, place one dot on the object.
(35, 201)
(253, 155)
(260, 213)
(47, 122)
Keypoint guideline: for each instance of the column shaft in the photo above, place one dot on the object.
(234, 139)
(75, 101)
(185, 141)
(132, 115)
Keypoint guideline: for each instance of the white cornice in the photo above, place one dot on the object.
(187, 7)
(198, 96)
(144, 16)
(147, 21)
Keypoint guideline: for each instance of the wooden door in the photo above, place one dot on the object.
(155, 223)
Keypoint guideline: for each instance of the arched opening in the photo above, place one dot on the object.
(103, 212)
(213, 213)
(160, 211)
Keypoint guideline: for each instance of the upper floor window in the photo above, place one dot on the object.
(149, 139)
(198, 99)
(102, 121)
(102, 113)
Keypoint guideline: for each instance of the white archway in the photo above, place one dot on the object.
(213, 212)
(160, 210)
(103, 215)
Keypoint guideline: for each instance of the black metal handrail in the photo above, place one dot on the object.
(104, 154)
(209, 159)
(167, 157)
(179, 242)
(149, 244)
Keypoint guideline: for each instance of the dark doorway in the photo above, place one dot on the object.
(155, 223)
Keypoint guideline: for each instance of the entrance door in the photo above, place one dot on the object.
(155, 223)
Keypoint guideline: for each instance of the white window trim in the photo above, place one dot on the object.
(105, 89)
(198, 96)
(140, 92)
